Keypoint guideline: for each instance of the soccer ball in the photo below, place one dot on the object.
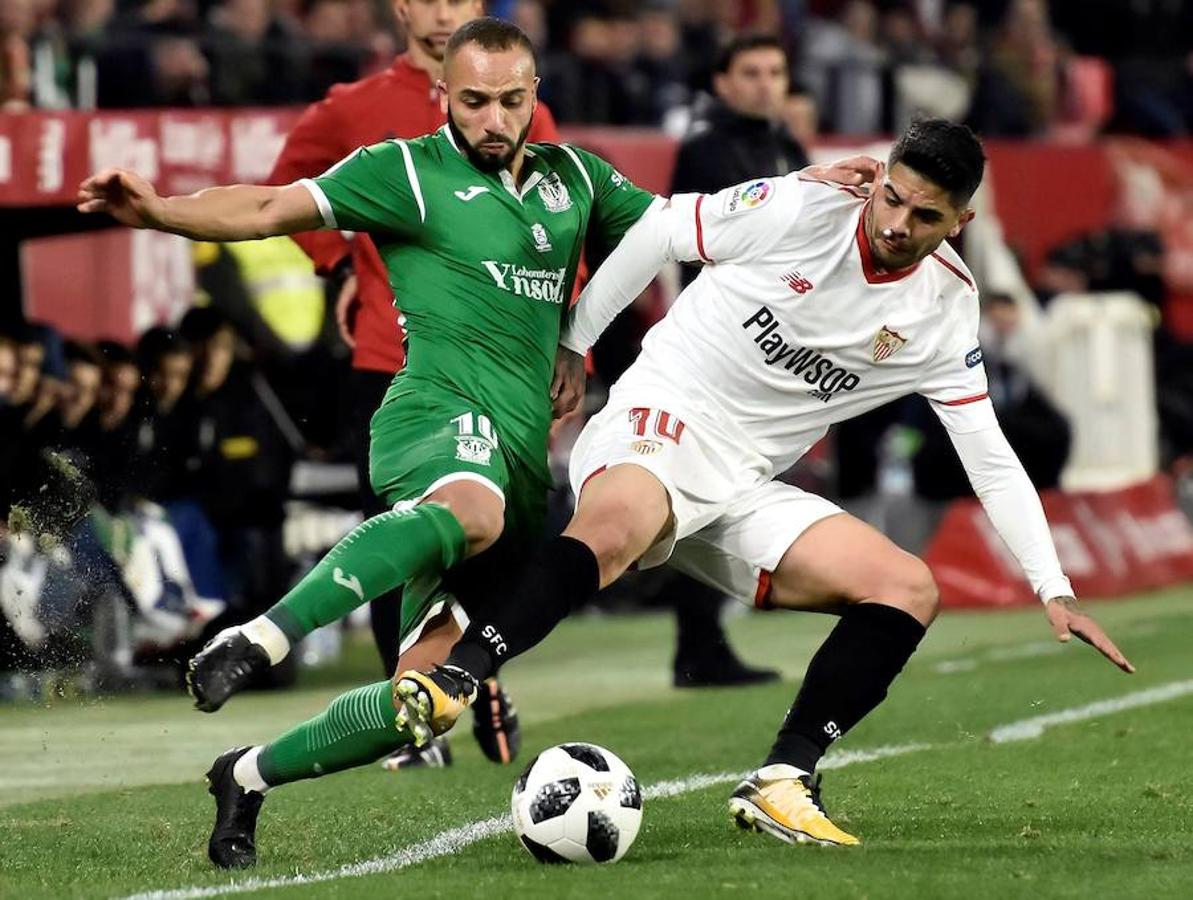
(577, 803)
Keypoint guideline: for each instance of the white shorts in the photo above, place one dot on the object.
(732, 523)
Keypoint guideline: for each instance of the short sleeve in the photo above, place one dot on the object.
(955, 382)
(374, 189)
(737, 224)
(617, 203)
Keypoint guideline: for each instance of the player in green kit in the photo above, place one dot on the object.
(482, 236)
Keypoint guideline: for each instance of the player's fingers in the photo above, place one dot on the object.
(92, 206)
(343, 306)
(1092, 634)
(862, 168)
(1060, 626)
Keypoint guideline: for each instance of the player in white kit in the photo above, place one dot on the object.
(816, 303)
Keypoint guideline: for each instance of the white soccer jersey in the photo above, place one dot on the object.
(791, 327)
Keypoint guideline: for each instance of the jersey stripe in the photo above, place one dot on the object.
(414, 184)
(321, 201)
(952, 268)
(974, 399)
(700, 231)
(579, 165)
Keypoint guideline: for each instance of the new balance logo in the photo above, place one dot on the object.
(473, 192)
(348, 581)
(796, 282)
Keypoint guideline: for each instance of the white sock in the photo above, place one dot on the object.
(246, 774)
(777, 771)
(263, 632)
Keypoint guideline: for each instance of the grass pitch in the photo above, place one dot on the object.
(106, 799)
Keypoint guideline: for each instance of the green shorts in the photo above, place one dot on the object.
(423, 437)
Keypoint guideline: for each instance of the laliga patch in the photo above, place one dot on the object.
(973, 357)
(748, 196)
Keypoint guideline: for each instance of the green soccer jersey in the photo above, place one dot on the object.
(481, 269)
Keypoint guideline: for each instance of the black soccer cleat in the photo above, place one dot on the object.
(435, 755)
(496, 726)
(232, 844)
(224, 667)
(718, 667)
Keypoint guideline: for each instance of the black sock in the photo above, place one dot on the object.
(563, 576)
(848, 677)
(699, 636)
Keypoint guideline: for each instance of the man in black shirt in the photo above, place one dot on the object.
(742, 136)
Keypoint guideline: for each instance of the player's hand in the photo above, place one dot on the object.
(345, 300)
(855, 170)
(124, 195)
(567, 387)
(1067, 620)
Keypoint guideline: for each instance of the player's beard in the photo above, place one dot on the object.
(487, 162)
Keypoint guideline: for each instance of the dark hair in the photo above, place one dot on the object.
(490, 34)
(157, 342)
(115, 354)
(201, 323)
(77, 351)
(947, 154)
(744, 43)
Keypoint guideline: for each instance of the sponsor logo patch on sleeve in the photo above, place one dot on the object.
(973, 357)
(748, 196)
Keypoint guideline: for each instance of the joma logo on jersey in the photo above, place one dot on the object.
(796, 282)
(823, 374)
(537, 284)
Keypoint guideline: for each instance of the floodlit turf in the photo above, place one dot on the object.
(104, 799)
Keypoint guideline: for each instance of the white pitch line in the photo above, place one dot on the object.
(1034, 727)
(453, 840)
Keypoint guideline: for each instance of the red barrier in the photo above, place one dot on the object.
(1045, 194)
(1109, 543)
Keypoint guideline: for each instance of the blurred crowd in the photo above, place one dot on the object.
(1009, 67)
(143, 490)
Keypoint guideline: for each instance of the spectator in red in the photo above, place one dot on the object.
(401, 102)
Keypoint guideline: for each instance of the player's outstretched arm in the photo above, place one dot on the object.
(234, 213)
(1067, 620)
(1014, 508)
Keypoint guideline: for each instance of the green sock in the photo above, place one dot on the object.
(355, 729)
(376, 556)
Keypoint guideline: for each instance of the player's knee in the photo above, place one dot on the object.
(916, 590)
(481, 523)
(612, 541)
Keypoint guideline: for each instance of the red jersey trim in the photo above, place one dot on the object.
(875, 275)
(762, 593)
(952, 268)
(974, 399)
(591, 475)
(700, 231)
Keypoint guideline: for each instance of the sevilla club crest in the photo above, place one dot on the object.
(887, 343)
